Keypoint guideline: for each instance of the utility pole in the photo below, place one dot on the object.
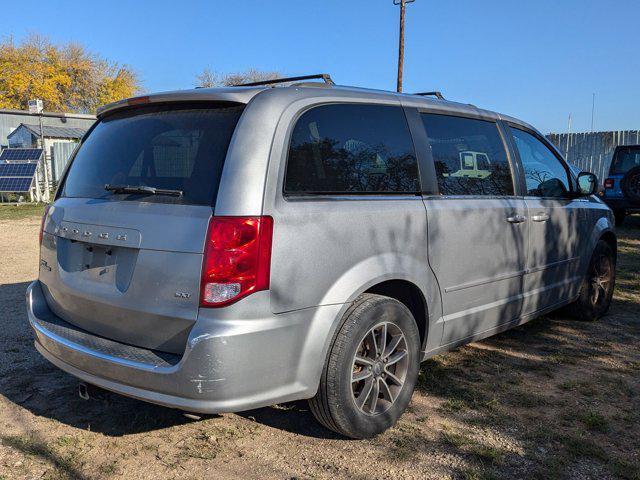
(566, 152)
(402, 4)
(36, 107)
(593, 109)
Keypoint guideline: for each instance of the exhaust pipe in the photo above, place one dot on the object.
(86, 391)
(83, 391)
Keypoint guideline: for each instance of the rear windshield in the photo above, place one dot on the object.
(625, 159)
(179, 148)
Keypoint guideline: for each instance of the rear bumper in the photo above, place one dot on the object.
(231, 363)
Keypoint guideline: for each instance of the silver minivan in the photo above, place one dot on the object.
(218, 250)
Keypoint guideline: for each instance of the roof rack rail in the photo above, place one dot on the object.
(436, 94)
(324, 76)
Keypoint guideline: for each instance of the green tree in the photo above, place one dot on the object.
(66, 77)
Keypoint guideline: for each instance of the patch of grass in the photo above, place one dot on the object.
(18, 212)
(108, 468)
(454, 405)
(569, 385)
(406, 440)
(473, 474)
(455, 439)
(487, 453)
(67, 464)
(402, 448)
(526, 399)
(585, 388)
(580, 446)
(633, 365)
(594, 421)
(563, 358)
(625, 470)
(469, 445)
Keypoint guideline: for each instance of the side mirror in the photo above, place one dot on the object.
(587, 184)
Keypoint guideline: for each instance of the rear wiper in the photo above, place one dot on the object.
(142, 189)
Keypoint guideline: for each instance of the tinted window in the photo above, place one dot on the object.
(469, 156)
(348, 148)
(544, 174)
(625, 160)
(176, 148)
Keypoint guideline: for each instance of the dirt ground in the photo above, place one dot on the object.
(554, 398)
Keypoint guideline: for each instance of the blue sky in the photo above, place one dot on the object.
(537, 60)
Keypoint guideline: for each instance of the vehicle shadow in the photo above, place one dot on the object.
(29, 381)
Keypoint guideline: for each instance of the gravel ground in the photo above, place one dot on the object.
(552, 399)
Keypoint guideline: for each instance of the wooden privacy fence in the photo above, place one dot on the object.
(592, 151)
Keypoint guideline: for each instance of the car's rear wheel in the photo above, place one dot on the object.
(597, 287)
(371, 369)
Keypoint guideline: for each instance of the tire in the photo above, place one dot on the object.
(630, 185)
(619, 215)
(591, 306)
(336, 404)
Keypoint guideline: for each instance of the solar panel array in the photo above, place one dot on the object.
(18, 177)
(17, 169)
(15, 184)
(20, 154)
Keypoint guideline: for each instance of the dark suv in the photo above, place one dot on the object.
(622, 187)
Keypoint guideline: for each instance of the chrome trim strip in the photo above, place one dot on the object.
(551, 265)
(484, 281)
(506, 276)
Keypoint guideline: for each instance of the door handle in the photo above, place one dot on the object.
(517, 219)
(540, 217)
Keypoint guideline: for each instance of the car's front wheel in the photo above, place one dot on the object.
(371, 368)
(597, 287)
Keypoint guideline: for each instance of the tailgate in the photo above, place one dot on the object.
(121, 256)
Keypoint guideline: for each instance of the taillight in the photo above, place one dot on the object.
(608, 183)
(44, 217)
(237, 259)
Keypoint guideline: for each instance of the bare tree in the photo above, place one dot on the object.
(210, 78)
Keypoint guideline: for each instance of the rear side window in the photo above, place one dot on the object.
(178, 147)
(349, 148)
(625, 159)
(469, 156)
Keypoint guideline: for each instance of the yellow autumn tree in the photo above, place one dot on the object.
(66, 77)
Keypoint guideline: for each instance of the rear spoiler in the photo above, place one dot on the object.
(227, 94)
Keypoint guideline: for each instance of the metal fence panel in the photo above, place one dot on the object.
(592, 151)
(61, 153)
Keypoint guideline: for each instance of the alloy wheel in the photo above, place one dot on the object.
(379, 368)
(601, 280)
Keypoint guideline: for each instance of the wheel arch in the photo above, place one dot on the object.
(411, 296)
(603, 229)
(611, 239)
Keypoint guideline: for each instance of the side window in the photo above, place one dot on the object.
(352, 148)
(544, 174)
(469, 156)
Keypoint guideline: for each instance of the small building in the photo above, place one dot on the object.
(61, 132)
(28, 136)
(11, 119)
